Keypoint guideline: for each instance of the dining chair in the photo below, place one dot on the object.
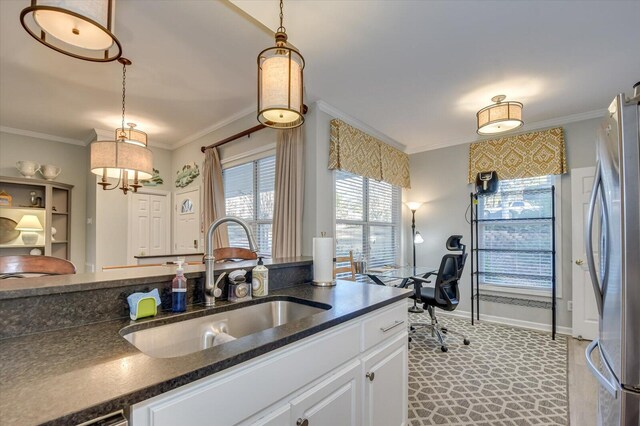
(350, 268)
(20, 266)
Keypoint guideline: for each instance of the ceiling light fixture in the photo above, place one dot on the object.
(126, 158)
(499, 117)
(280, 83)
(78, 28)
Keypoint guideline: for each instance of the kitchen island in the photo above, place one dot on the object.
(76, 374)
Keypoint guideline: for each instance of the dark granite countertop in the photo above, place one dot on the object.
(73, 375)
(27, 287)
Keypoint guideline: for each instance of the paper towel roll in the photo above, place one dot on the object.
(323, 261)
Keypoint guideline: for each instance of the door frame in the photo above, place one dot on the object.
(581, 289)
(168, 233)
(175, 215)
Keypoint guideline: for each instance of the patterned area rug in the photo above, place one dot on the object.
(507, 376)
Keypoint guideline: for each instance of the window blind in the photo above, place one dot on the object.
(367, 219)
(515, 234)
(249, 194)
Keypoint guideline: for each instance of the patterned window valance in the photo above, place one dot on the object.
(520, 156)
(355, 151)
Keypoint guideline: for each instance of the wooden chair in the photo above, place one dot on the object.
(351, 268)
(224, 254)
(16, 266)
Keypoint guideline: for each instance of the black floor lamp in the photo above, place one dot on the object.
(416, 238)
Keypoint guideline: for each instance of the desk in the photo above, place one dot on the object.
(404, 273)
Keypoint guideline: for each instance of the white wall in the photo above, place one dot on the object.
(72, 160)
(439, 178)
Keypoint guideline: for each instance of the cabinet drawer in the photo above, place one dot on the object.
(384, 325)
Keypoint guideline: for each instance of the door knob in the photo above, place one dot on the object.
(302, 422)
(371, 376)
(579, 262)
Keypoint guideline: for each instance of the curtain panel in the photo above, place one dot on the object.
(520, 156)
(289, 194)
(213, 197)
(357, 152)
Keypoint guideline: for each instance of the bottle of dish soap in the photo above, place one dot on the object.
(179, 289)
(260, 279)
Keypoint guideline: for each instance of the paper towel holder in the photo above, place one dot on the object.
(324, 283)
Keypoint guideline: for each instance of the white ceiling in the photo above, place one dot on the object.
(415, 70)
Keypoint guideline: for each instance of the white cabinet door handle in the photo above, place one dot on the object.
(389, 327)
(371, 376)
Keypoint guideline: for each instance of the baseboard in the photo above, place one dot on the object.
(509, 321)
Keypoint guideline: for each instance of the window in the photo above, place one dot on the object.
(515, 234)
(367, 219)
(249, 195)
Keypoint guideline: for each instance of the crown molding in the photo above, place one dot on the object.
(336, 113)
(558, 121)
(38, 135)
(214, 127)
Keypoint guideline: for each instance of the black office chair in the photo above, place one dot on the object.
(445, 294)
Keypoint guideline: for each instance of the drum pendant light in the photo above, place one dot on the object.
(280, 83)
(127, 157)
(78, 28)
(499, 117)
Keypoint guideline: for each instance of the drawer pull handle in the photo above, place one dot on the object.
(394, 325)
(371, 376)
(302, 422)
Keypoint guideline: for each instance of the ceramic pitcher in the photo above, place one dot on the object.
(50, 172)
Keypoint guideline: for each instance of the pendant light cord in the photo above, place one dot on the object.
(124, 91)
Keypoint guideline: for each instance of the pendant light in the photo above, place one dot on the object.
(499, 117)
(122, 159)
(280, 83)
(78, 28)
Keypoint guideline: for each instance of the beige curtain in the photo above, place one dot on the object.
(354, 151)
(289, 194)
(214, 197)
(520, 156)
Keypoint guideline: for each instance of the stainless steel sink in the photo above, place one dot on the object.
(193, 335)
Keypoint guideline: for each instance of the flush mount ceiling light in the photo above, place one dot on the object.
(126, 158)
(78, 28)
(280, 83)
(499, 117)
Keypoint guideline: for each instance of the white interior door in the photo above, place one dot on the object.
(585, 312)
(186, 232)
(148, 225)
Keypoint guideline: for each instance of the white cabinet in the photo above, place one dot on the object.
(278, 417)
(385, 384)
(317, 381)
(334, 402)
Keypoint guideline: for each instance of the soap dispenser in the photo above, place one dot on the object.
(260, 279)
(179, 289)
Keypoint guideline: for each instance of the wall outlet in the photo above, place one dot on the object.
(570, 305)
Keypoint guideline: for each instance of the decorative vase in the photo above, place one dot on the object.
(27, 168)
(50, 172)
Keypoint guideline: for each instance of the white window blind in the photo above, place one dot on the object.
(367, 219)
(249, 195)
(515, 234)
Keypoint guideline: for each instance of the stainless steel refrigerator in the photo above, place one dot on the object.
(615, 273)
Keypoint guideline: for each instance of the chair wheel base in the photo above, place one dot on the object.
(466, 342)
(416, 310)
(444, 349)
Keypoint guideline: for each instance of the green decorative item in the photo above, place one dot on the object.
(155, 179)
(187, 175)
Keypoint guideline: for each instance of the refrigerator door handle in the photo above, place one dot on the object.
(594, 370)
(595, 281)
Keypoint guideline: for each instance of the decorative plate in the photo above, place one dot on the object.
(8, 231)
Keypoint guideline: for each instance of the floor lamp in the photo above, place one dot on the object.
(416, 238)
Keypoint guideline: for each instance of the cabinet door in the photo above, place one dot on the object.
(386, 384)
(333, 402)
(279, 417)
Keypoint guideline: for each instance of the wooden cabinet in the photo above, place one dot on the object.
(319, 381)
(385, 388)
(50, 202)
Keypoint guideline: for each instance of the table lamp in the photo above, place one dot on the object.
(29, 225)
